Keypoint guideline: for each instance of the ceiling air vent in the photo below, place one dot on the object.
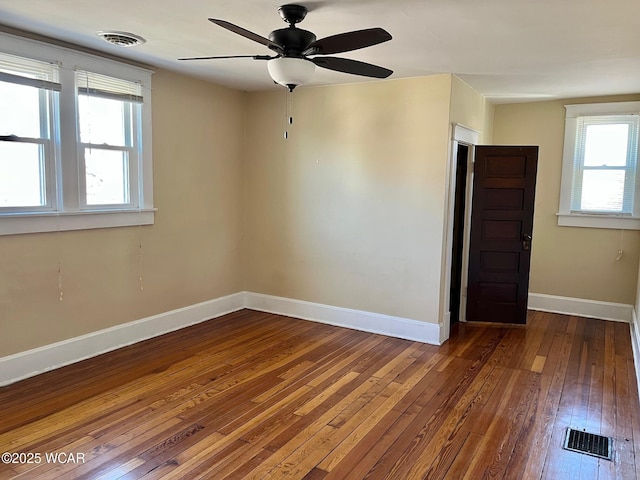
(121, 39)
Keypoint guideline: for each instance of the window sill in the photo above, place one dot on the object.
(598, 221)
(13, 224)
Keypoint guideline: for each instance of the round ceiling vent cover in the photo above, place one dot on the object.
(121, 39)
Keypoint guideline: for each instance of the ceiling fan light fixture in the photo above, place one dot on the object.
(290, 71)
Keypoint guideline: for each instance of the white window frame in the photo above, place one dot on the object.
(47, 150)
(67, 210)
(569, 218)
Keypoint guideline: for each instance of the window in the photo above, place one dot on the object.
(75, 140)
(28, 93)
(108, 117)
(600, 185)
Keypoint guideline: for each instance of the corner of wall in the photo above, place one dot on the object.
(489, 116)
(243, 154)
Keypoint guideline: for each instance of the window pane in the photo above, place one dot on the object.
(20, 106)
(102, 120)
(606, 145)
(602, 190)
(22, 176)
(107, 176)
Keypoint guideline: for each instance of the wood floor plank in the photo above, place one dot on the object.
(257, 395)
(451, 436)
(460, 465)
(363, 456)
(97, 379)
(432, 406)
(536, 331)
(400, 391)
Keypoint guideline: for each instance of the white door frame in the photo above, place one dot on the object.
(460, 135)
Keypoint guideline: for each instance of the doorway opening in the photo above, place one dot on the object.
(459, 210)
(453, 295)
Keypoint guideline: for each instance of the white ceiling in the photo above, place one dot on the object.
(508, 50)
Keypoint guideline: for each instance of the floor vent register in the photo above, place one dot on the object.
(589, 443)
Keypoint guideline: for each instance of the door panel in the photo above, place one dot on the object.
(499, 261)
(505, 198)
(501, 225)
(501, 230)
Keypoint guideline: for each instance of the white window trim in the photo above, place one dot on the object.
(75, 218)
(567, 218)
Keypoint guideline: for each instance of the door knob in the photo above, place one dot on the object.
(526, 242)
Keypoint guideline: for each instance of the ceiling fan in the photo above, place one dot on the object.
(295, 49)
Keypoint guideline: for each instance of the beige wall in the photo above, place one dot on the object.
(350, 210)
(471, 109)
(567, 261)
(190, 255)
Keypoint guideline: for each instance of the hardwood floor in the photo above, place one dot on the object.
(254, 395)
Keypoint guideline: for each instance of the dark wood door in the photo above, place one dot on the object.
(504, 184)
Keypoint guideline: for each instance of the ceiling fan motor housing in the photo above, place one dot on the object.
(293, 40)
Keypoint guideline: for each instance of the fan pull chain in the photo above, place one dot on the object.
(288, 116)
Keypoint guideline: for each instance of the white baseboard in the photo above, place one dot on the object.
(618, 312)
(38, 360)
(391, 326)
(33, 362)
(49, 357)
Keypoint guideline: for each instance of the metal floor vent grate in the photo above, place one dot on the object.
(589, 443)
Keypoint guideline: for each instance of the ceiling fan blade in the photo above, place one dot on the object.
(247, 34)
(354, 67)
(255, 57)
(345, 42)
